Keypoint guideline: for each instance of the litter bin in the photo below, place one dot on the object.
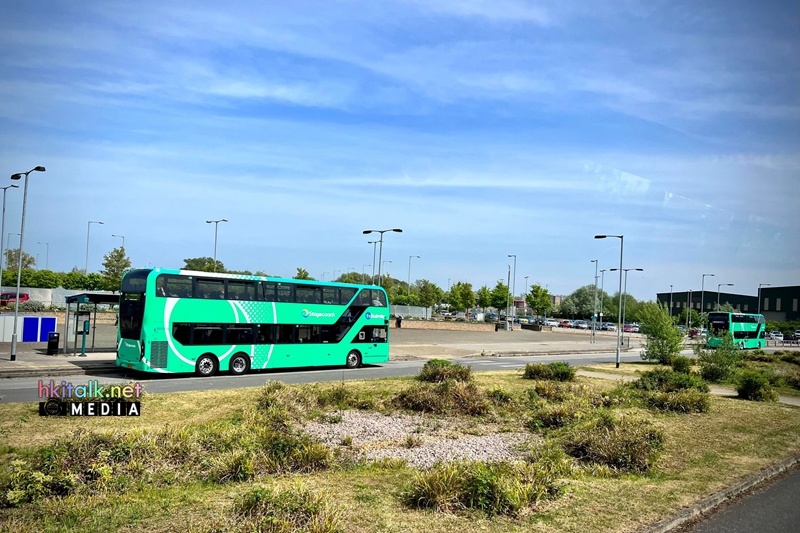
(52, 343)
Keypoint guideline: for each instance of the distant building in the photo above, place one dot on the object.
(777, 303)
(780, 303)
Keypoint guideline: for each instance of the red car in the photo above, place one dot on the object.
(9, 298)
(565, 324)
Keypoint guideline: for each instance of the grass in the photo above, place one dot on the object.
(357, 497)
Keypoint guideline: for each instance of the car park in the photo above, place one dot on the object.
(775, 336)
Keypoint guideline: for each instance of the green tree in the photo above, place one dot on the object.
(203, 264)
(94, 282)
(12, 258)
(662, 338)
(429, 293)
(484, 297)
(74, 280)
(461, 296)
(695, 320)
(115, 263)
(538, 300)
(724, 308)
(611, 308)
(302, 273)
(580, 303)
(501, 296)
(45, 279)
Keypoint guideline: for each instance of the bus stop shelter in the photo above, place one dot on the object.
(92, 300)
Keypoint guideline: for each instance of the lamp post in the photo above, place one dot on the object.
(514, 284)
(364, 269)
(594, 301)
(19, 263)
(88, 228)
(380, 250)
(374, 249)
(759, 294)
(46, 255)
(379, 269)
(508, 297)
(526, 294)
(689, 310)
(721, 285)
(323, 276)
(703, 293)
(334, 274)
(121, 237)
(3, 229)
(602, 293)
(216, 227)
(619, 311)
(670, 301)
(625, 301)
(409, 272)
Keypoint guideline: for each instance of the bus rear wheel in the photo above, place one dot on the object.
(206, 366)
(353, 359)
(240, 364)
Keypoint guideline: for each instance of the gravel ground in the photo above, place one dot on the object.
(419, 440)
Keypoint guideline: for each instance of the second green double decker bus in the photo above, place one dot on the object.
(177, 321)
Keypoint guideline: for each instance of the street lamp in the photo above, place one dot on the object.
(216, 227)
(602, 293)
(619, 311)
(19, 263)
(380, 252)
(759, 294)
(3, 228)
(514, 284)
(364, 269)
(508, 297)
(625, 301)
(121, 237)
(594, 302)
(721, 285)
(526, 294)
(379, 269)
(88, 227)
(323, 275)
(703, 292)
(334, 274)
(374, 250)
(670, 301)
(46, 255)
(409, 272)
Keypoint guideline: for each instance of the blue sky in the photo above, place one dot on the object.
(482, 128)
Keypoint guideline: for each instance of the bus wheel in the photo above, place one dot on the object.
(206, 366)
(240, 364)
(353, 359)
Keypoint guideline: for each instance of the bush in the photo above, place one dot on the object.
(625, 445)
(439, 370)
(555, 415)
(682, 364)
(499, 396)
(663, 380)
(790, 357)
(31, 305)
(287, 511)
(684, 401)
(556, 371)
(753, 385)
(463, 398)
(662, 338)
(492, 488)
(719, 364)
(549, 390)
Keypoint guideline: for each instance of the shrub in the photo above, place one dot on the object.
(549, 390)
(719, 364)
(790, 357)
(32, 305)
(287, 511)
(555, 415)
(464, 398)
(556, 371)
(439, 370)
(663, 380)
(683, 401)
(753, 385)
(760, 356)
(499, 396)
(662, 338)
(493, 488)
(625, 445)
(682, 364)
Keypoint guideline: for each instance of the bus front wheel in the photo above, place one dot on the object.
(353, 359)
(206, 366)
(240, 364)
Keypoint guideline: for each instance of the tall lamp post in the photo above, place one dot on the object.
(3, 229)
(526, 294)
(409, 272)
(624, 302)
(379, 269)
(602, 294)
(721, 285)
(216, 227)
(703, 293)
(374, 251)
(514, 284)
(508, 298)
(759, 294)
(46, 255)
(19, 263)
(594, 302)
(619, 310)
(380, 242)
(670, 301)
(121, 237)
(88, 228)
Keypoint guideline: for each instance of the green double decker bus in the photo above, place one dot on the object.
(748, 330)
(179, 321)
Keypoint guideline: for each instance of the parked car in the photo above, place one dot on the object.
(9, 298)
(580, 324)
(608, 326)
(775, 336)
(551, 322)
(565, 324)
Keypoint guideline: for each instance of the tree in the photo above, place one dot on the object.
(695, 320)
(484, 297)
(12, 258)
(94, 282)
(662, 338)
(74, 280)
(538, 299)
(500, 296)
(461, 296)
(115, 263)
(203, 264)
(725, 308)
(45, 279)
(429, 293)
(302, 273)
(580, 303)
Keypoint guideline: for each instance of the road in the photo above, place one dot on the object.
(26, 389)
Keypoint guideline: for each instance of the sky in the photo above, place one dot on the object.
(481, 128)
